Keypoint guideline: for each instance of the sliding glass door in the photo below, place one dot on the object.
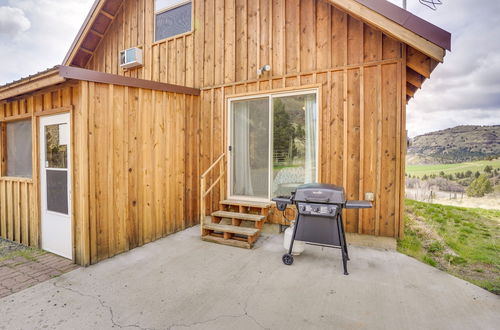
(249, 151)
(273, 144)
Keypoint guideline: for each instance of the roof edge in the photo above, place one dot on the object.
(389, 23)
(32, 83)
(91, 13)
(60, 74)
(412, 22)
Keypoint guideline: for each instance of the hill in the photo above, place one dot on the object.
(455, 145)
(461, 241)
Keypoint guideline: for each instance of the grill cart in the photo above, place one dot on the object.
(319, 217)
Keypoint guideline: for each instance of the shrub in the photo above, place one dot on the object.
(480, 187)
(429, 260)
(435, 247)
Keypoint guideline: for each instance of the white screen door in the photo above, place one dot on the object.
(55, 185)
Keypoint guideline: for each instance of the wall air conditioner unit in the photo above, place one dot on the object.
(130, 58)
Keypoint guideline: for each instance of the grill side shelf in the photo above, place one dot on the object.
(358, 205)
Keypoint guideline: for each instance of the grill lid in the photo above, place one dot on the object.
(320, 193)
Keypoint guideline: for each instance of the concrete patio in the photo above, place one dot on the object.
(181, 282)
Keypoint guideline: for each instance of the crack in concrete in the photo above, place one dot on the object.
(189, 325)
(245, 313)
(103, 304)
(186, 325)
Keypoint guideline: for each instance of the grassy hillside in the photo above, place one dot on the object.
(456, 145)
(461, 241)
(420, 170)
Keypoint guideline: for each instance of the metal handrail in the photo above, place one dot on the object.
(203, 186)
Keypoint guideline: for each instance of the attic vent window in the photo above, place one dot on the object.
(172, 17)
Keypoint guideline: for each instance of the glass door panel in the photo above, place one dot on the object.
(294, 142)
(249, 155)
(56, 167)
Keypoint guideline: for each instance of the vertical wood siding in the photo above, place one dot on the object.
(135, 169)
(18, 220)
(359, 142)
(306, 42)
(232, 38)
(19, 197)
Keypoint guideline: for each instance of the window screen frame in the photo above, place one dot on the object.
(163, 10)
(4, 151)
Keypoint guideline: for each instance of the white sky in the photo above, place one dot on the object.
(36, 34)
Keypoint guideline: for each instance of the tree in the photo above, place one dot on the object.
(284, 131)
(488, 169)
(477, 174)
(468, 174)
(480, 187)
(425, 177)
(442, 174)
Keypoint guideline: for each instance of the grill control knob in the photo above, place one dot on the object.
(316, 209)
(330, 211)
(303, 208)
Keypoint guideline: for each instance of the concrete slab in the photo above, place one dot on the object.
(181, 282)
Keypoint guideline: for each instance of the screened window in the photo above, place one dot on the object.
(172, 17)
(18, 149)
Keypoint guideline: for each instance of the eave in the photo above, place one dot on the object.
(61, 74)
(93, 30)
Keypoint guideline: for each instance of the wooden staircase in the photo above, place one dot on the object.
(226, 224)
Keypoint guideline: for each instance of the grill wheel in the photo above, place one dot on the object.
(287, 259)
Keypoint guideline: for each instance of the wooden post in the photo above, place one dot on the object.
(202, 204)
(222, 179)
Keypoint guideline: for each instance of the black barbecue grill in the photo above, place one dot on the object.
(319, 217)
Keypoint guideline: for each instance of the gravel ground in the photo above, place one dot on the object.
(7, 248)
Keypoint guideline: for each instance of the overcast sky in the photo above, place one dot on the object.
(36, 34)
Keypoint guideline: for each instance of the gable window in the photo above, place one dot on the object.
(16, 138)
(172, 17)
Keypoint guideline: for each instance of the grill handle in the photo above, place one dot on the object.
(358, 205)
(282, 202)
(317, 200)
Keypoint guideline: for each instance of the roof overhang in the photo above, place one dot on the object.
(61, 74)
(95, 26)
(400, 24)
(27, 85)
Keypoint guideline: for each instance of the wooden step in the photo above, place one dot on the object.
(260, 205)
(240, 216)
(230, 242)
(231, 229)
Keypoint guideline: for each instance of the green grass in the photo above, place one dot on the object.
(420, 170)
(280, 167)
(462, 241)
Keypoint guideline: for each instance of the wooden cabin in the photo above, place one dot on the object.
(167, 111)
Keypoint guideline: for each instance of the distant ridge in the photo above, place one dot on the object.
(455, 145)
